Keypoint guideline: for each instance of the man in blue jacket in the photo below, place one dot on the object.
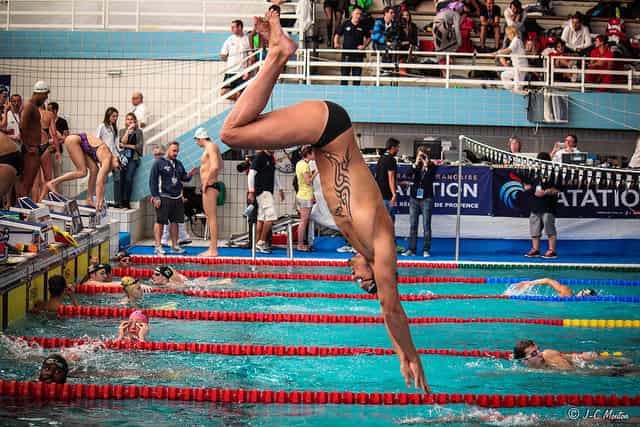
(165, 184)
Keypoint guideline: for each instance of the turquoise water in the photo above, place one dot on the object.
(446, 374)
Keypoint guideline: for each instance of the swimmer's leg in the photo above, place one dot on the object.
(295, 125)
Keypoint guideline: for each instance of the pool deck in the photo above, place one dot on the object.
(618, 253)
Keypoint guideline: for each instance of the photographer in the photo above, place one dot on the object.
(421, 201)
(387, 33)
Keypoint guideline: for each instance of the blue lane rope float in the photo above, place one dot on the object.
(592, 282)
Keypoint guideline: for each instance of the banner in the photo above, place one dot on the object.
(476, 189)
(510, 199)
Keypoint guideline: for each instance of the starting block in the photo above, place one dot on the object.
(82, 215)
(25, 233)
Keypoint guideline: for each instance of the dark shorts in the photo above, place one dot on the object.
(170, 210)
(337, 5)
(233, 84)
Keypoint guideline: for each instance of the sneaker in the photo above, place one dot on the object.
(159, 250)
(408, 252)
(550, 255)
(400, 249)
(165, 243)
(262, 247)
(426, 254)
(533, 253)
(185, 242)
(177, 250)
(345, 249)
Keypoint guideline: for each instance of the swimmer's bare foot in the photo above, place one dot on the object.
(209, 253)
(89, 202)
(278, 40)
(50, 187)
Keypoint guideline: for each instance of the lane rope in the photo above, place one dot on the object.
(97, 289)
(67, 392)
(235, 316)
(231, 349)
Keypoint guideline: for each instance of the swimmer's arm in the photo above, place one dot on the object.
(215, 166)
(72, 295)
(562, 290)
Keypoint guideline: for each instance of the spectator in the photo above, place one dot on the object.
(515, 145)
(107, 131)
(570, 146)
(62, 126)
(543, 210)
(262, 180)
(334, 11)
(11, 118)
(600, 54)
(88, 152)
(235, 52)
(409, 31)
(447, 35)
(4, 95)
(210, 169)
(634, 163)
(139, 109)
(385, 31)
(421, 202)
(556, 53)
(515, 16)
(355, 37)
(489, 22)
(165, 185)
(304, 195)
(131, 143)
(467, 27)
(516, 53)
(386, 170)
(576, 36)
(58, 288)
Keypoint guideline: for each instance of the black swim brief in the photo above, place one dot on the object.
(215, 186)
(338, 122)
(15, 159)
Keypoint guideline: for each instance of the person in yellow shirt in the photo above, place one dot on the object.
(304, 196)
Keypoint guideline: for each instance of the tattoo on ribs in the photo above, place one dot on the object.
(341, 182)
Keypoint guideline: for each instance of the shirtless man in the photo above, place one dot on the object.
(348, 186)
(562, 290)
(210, 167)
(49, 144)
(31, 134)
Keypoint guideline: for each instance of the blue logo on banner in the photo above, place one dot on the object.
(509, 192)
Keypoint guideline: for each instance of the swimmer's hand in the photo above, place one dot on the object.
(523, 285)
(146, 289)
(143, 331)
(122, 329)
(412, 369)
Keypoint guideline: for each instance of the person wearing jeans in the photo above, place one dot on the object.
(130, 144)
(421, 202)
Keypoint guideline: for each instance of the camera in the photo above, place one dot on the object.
(244, 165)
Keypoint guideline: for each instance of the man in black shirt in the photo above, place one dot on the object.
(386, 170)
(489, 22)
(61, 124)
(355, 37)
(421, 202)
(262, 182)
(543, 211)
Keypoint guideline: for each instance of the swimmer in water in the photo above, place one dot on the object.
(123, 259)
(58, 288)
(536, 358)
(165, 275)
(134, 290)
(54, 370)
(135, 329)
(562, 290)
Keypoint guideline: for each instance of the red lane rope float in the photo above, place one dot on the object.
(251, 349)
(96, 289)
(154, 259)
(68, 392)
(234, 316)
(146, 273)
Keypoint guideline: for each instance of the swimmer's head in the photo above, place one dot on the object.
(57, 285)
(100, 272)
(54, 370)
(587, 293)
(362, 273)
(123, 259)
(136, 320)
(131, 287)
(162, 274)
(528, 352)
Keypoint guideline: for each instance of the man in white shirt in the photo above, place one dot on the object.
(139, 109)
(235, 51)
(12, 118)
(570, 146)
(577, 36)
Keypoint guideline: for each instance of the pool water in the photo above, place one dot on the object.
(369, 373)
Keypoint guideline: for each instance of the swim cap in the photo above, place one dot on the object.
(165, 270)
(128, 281)
(120, 255)
(41, 87)
(59, 361)
(97, 267)
(587, 293)
(139, 315)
